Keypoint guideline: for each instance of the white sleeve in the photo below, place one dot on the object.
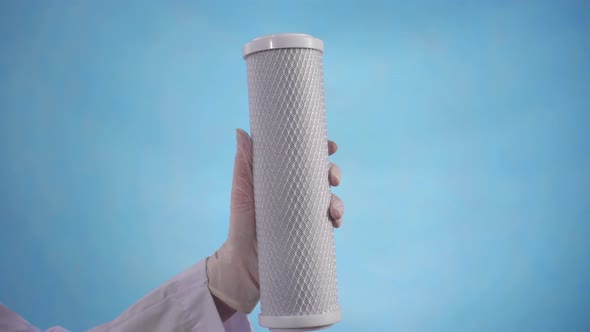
(10, 321)
(183, 303)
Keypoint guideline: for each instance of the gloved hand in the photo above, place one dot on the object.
(233, 269)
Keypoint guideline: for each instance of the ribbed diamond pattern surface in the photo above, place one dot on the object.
(297, 260)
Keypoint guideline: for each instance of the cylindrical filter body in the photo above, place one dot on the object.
(296, 254)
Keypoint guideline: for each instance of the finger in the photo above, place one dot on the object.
(334, 175)
(242, 196)
(336, 211)
(332, 147)
(337, 223)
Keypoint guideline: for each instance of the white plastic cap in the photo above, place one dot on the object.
(283, 40)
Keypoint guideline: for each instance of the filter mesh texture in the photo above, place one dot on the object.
(297, 261)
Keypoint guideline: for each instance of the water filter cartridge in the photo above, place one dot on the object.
(296, 254)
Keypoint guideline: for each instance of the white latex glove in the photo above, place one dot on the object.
(233, 269)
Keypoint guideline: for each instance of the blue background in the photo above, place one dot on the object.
(463, 128)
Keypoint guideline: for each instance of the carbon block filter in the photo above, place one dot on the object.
(297, 260)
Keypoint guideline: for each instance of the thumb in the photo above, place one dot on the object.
(242, 193)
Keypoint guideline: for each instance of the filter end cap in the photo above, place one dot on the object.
(282, 40)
